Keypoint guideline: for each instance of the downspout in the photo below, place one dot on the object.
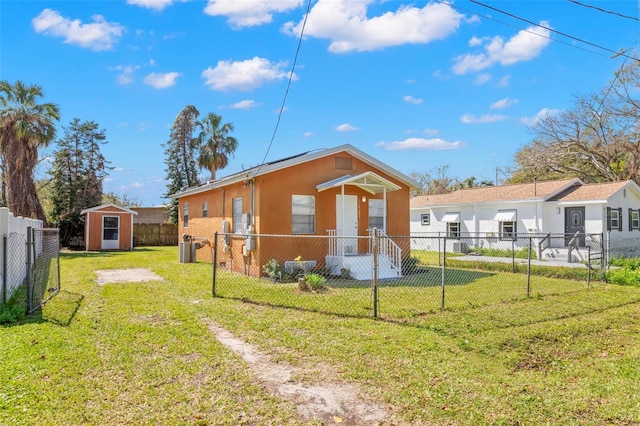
(253, 205)
(384, 211)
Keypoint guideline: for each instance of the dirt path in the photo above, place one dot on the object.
(330, 403)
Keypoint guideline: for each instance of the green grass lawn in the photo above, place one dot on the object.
(140, 353)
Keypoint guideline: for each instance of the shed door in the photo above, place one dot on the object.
(574, 223)
(347, 221)
(110, 232)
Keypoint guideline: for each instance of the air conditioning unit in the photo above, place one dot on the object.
(460, 247)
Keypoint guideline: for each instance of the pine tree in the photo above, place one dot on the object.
(180, 157)
(78, 171)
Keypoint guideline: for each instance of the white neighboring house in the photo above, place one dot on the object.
(565, 211)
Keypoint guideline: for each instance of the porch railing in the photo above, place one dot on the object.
(388, 248)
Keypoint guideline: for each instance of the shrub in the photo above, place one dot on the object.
(315, 282)
(273, 269)
(11, 313)
(624, 276)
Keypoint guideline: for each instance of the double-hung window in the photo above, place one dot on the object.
(205, 209)
(507, 224)
(303, 214)
(376, 214)
(237, 215)
(185, 215)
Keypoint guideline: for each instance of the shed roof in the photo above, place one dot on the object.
(106, 206)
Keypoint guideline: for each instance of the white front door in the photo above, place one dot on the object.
(347, 221)
(110, 232)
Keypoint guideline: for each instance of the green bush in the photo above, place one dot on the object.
(522, 253)
(315, 281)
(11, 313)
(273, 269)
(624, 276)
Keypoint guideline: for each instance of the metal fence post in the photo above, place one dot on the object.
(444, 263)
(374, 281)
(215, 264)
(588, 266)
(28, 270)
(4, 268)
(529, 270)
(513, 254)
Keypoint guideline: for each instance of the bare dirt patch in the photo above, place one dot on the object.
(126, 275)
(329, 403)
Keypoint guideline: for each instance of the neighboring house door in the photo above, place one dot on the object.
(574, 223)
(110, 232)
(347, 221)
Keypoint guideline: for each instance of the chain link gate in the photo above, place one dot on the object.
(31, 267)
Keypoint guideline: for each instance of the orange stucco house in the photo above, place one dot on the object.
(108, 227)
(334, 193)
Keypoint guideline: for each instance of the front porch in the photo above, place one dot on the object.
(345, 260)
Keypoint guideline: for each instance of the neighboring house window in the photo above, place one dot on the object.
(634, 219)
(237, 215)
(453, 224)
(185, 215)
(205, 209)
(425, 219)
(453, 230)
(614, 219)
(376, 214)
(507, 224)
(303, 214)
(508, 230)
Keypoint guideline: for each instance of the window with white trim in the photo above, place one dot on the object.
(615, 219)
(376, 214)
(185, 215)
(634, 219)
(425, 219)
(205, 209)
(237, 215)
(508, 230)
(303, 214)
(453, 229)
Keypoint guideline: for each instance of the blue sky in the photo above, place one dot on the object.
(418, 85)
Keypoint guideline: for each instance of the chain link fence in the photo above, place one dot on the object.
(31, 268)
(400, 277)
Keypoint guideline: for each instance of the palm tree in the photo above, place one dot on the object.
(25, 126)
(216, 146)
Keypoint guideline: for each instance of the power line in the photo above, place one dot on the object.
(520, 28)
(284, 99)
(614, 52)
(604, 10)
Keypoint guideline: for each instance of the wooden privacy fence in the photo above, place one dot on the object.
(154, 234)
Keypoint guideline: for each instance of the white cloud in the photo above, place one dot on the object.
(412, 100)
(486, 118)
(475, 41)
(524, 46)
(543, 113)
(249, 13)
(504, 81)
(161, 80)
(346, 24)
(307, 134)
(245, 104)
(435, 144)
(482, 78)
(244, 75)
(503, 103)
(430, 132)
(151, 4)
(137, 185)
(98, 35)
(346, 127)
(126, 73)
